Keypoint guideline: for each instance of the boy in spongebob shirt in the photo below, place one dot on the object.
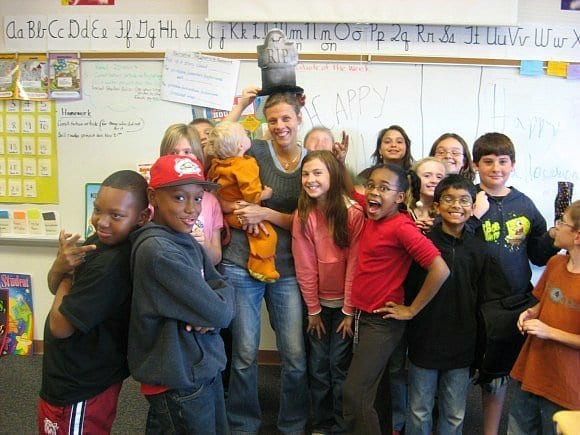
(515, 233)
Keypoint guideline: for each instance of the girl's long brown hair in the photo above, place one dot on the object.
(408, 159)
(335, 211)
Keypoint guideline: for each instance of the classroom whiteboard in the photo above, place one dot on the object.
(121, 119)
(118, 124)
(540, 114)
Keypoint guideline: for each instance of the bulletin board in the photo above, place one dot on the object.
(28, 152)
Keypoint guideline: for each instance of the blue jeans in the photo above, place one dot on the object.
(398, 379)
(196, 410)
(328, 363)
(531, 414)
(451, 387)
(284, 304)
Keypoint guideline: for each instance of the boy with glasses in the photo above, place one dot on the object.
(442, 337)
(548, 364)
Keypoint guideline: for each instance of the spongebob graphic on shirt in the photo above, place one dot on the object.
(516, 228)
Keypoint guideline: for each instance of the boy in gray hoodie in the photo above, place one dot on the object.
(176, 285)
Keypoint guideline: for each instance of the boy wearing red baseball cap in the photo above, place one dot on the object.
(174, 285)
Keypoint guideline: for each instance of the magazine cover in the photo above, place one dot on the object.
(3, 319)
(91, 191)
(20, 319)
(65, 76)
(32, 77)
(8, 68)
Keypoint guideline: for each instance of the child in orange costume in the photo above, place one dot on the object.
(239, 178)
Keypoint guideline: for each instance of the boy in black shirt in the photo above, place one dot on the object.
(85, 334)
(442, 337)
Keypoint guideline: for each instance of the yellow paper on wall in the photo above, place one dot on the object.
(557, 69)
(250, 123)
(34, 221)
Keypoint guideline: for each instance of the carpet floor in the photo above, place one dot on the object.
(20, 382)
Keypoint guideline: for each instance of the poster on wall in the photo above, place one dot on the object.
(20, 332)
(8, 69)
(91, 190)
(570, 5)
(199, 80)
(32, 77)
(28, 157)
(65, 76)
(4, 298)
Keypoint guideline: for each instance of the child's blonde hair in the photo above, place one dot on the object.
(412, 196)
(424, 160)
(174, 134)
(225, 138)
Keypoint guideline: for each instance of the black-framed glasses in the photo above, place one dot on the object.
(383, 188)
(464, 201)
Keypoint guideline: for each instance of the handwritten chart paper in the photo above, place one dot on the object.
(28, 159)
(199, 80)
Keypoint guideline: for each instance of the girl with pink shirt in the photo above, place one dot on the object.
(325, 232)
(183, 140)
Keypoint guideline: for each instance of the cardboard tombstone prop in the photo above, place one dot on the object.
(278, 58)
